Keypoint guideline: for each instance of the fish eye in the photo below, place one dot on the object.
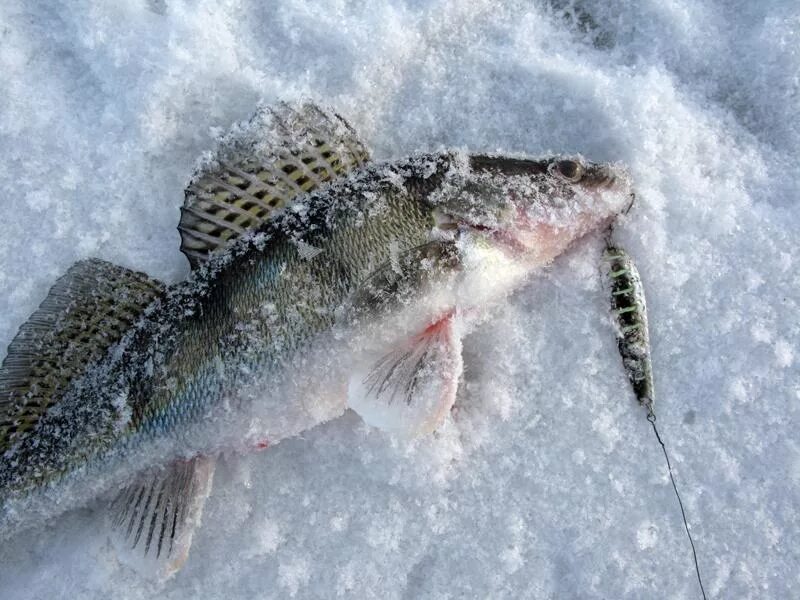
(568, 169)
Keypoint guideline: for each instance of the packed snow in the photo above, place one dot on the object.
(547, 481)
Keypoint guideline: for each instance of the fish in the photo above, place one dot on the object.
(321, 280)
(629, 310)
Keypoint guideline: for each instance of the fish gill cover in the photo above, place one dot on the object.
(545, 482)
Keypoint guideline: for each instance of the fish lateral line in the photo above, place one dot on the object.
(292, 232)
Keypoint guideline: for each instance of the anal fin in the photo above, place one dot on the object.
(410, 389)
(154, 518)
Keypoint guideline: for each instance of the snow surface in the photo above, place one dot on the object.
(548, 482)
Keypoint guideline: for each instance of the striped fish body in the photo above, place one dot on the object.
(352, 295)
(236, 346)
(205, 348)
(630, 313)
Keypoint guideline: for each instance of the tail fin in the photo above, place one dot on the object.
(87, 311)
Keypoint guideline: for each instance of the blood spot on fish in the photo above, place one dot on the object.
(438, 325)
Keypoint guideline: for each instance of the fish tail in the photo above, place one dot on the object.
(87, 311)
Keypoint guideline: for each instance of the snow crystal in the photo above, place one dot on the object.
(547, 482)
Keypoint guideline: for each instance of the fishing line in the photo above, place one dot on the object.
(633, 341)
(651, 418)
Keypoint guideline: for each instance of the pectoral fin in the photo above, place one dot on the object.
(411, 389)
(154, 519)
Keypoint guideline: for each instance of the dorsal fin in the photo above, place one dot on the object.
(86, 311)
(286, 150)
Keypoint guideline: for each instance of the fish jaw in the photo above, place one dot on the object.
(537, 237)
(532, 210)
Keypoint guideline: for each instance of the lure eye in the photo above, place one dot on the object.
(569, 170)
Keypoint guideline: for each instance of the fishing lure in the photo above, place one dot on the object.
(633, 340)
(630, 309)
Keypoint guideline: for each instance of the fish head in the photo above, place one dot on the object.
(531, 208)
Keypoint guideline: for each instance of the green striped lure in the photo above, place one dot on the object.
(633, 339)
(630, 312)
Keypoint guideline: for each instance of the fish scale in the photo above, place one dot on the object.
(306, 263)
(276, 274)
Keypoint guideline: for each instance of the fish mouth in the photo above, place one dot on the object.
(602, 178)
(606, 178)
(610, 186)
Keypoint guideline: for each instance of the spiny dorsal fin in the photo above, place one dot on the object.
(86, 311)
(286, 150)
(156, 516)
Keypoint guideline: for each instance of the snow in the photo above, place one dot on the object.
(547, 483)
